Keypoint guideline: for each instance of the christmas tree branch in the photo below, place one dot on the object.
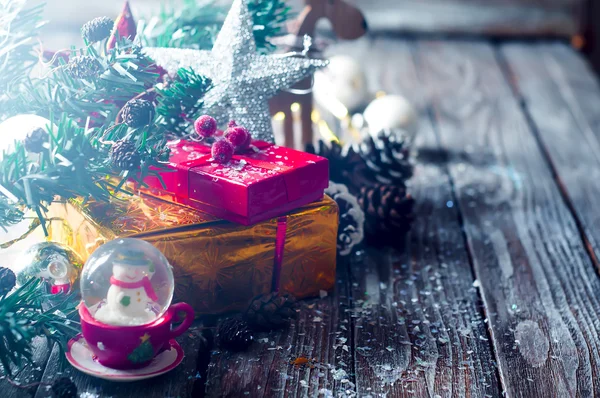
(23, 317)
(180, 101)
(195, 24)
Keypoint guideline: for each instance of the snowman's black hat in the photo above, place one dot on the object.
(133, 258)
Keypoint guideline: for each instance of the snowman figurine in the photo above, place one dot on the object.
(131, 297)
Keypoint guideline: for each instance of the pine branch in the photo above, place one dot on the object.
(122, 73)
(196, 24)
(70, 166)
(269, 17)
(10, 214)
(23, 317)
(181, 100)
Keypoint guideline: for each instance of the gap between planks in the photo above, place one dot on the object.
(396, 75)
(429, 111)
(564, 191)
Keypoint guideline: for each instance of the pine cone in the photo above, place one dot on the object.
(64, 388)
(352, 218)
(388, 209)
(138, 113)
(7, 280)
(124, 155)
(271, 311)
(35, 140)
(234, 334)
(387, 157)
(83, 67)
(97, 29)
(342, 161)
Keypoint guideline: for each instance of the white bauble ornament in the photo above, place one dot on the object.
(15, 129)
(344, 80)
(392, 112)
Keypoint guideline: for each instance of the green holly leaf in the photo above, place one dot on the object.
(125, 301)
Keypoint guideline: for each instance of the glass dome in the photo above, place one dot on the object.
(127, 282)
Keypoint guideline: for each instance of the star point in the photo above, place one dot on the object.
(243, 80)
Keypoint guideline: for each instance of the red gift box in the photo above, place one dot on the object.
(265, 182)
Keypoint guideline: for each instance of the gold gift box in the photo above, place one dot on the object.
(219, 266)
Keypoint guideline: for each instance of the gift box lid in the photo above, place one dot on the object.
(266, 181)
(140, 216)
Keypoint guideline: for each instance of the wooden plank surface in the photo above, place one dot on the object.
(562, 97)
(537, 280)
(321, 333)
(419, 329)
(31, 373)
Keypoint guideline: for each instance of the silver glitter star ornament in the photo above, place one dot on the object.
(243, 79)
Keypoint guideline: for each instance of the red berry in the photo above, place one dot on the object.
(237, 136)
(205, 126)
(232, 124)
(222, 151)
(244, 147)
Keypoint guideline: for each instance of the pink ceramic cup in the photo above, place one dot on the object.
(129, 347)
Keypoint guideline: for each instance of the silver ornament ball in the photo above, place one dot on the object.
(58, 265)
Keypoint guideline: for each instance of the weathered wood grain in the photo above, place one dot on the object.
(562, 96)
(537, 280)
(177, 383)
(30, 374)
(321, 332)
(419, 329)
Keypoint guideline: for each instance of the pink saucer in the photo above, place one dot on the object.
(81, 357)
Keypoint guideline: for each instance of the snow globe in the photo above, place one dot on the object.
(127, 282)
(127, 318)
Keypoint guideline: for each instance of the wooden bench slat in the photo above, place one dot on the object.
(537, 280)
(562, 96)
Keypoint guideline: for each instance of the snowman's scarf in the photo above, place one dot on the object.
(144, 282)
